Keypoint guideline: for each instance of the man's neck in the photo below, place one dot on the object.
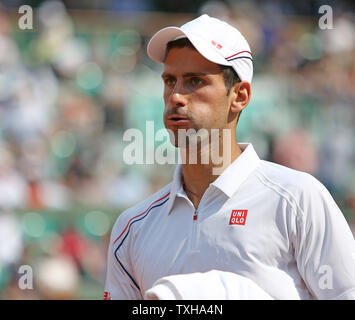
(197, 177)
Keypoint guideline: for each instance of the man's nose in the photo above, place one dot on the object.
(177, 98)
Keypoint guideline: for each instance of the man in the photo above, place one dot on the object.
(274, 225)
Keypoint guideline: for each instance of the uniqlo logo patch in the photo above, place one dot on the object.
(107, 295)
(238, 217)
(217, 45)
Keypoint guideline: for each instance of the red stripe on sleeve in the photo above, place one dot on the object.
(139, 216)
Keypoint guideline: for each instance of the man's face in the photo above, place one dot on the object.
(195, 94)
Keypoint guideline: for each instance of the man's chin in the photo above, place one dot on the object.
(182, 138)
(174, 137)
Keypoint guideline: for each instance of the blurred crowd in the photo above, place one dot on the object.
(70, 88)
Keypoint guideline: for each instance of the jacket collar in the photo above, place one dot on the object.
(231, 178)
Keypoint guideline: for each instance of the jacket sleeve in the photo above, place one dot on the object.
(120, 283)
(325, 246)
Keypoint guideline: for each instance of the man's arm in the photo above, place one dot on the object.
(324, 246)
(120, 284)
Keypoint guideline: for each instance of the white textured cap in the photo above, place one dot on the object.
(214, 39)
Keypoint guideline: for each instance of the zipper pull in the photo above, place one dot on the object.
(195, 215)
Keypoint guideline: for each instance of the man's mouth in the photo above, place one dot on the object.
(177, 120)
(176, 117)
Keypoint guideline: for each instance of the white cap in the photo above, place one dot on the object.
(214, 39)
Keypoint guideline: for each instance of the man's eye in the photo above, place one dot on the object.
(196, 82)
(169, 82)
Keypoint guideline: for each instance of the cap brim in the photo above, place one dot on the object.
(157, 45)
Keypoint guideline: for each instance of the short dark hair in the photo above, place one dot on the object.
(230, 76)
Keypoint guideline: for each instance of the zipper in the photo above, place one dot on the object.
(195, 215)
(194, 234)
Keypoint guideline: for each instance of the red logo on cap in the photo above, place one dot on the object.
(217, 45)
(238, 217)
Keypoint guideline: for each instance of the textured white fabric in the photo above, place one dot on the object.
(211, 285)
(294, 243)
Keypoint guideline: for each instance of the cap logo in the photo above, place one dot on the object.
(217, 45)
(238, 217)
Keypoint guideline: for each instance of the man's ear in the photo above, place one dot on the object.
(240, 94)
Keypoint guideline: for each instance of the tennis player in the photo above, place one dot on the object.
(276, 226)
